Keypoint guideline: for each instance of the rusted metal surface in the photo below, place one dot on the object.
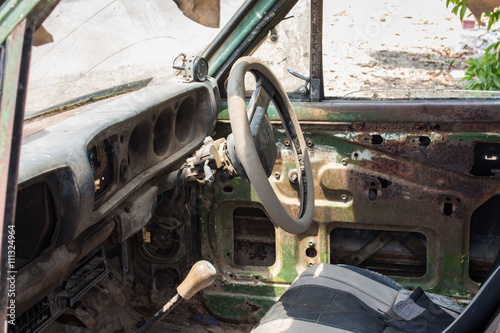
(411, 242)
(378, 242)
(254, 238)
(409, 194)
(401, 169)
(316, 49)
(394, 253)
(384, 115)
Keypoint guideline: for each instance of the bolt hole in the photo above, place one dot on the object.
(311, 252)
(228, 254)
(231, 276)
(372, 194)
(384, 182)
(122, 138)
(448, 198)
(127, 210)
(356, 155)
(448, 209)
(377, 139)
(372, 184)
(256, 277)
(424, 141)
(228, 189)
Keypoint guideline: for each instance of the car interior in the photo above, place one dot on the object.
(205, 200)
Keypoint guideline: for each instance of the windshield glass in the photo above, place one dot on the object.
(101, 48)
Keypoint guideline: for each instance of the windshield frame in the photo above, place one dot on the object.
(243, 34)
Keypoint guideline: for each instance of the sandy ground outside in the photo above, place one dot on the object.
(385, 45)
(396, 45)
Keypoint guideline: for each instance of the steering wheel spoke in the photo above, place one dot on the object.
(260, 99)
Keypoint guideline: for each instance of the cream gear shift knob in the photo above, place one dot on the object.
(201, 275)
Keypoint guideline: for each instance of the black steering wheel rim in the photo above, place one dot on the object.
(247, 152)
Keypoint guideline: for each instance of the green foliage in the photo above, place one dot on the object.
(458, 6)
(482, 73)
(493, 17)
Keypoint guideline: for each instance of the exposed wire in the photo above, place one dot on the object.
(161, 200)
(181, 180)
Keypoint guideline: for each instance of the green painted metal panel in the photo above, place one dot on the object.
(12, 13)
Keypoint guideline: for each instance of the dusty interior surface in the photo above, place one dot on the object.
(129, 192)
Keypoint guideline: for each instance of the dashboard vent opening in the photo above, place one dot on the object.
(37, 317)
(36, 222)
(88, 272)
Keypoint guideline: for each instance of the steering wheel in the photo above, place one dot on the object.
(269, 88)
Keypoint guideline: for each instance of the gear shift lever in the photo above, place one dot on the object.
(201, 275)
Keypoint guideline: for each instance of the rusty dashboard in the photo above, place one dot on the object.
(76, 175)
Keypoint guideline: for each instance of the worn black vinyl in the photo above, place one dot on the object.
(342, 310)
(328, 307)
